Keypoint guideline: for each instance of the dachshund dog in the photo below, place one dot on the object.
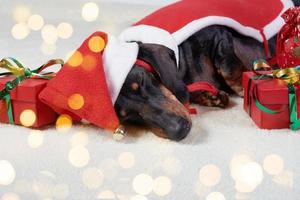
(216, 54)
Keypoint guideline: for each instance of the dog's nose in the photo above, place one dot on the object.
(180, 130)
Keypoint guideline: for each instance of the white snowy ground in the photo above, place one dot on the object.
(43, 166)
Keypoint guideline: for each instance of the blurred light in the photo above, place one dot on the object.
(49, 34)
(60, 191)
(43, 187)
(285, 178)
(243, 187)
(64, 30)
(10, 196)
(28, 118)
(64, 123)
(236, 163)
(35, 139)
(126, 160)
(106, 195)
(80, 138)
(47, 174)
(215, 196)
(20, 31)
(96, 44)
(76, 101)
(21, 13)
(92, 178)
(79, 156)
(90, 12)
(162, 186)
(76, 59)
(251, 174)
(143, 184)
(35, 22)
(89, 63)
(7, 173)
(273, 164)
(210, 175)
(48, 49)
(172, 166)
(138, 197)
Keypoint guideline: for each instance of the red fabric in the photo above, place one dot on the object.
(90, 84)
(25, 97)
(145, 65)
(252, 13)
(273, 94)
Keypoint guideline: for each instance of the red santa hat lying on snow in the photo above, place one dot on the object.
(97, 70)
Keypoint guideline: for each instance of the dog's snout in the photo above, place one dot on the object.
(180, 130)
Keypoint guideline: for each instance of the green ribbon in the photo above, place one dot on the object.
(21, 73)
(294, 121)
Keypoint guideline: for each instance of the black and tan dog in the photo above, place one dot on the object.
(216, 54)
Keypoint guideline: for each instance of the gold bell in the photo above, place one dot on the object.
(119, 133)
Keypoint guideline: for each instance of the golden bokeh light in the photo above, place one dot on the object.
(79, 156)
(162, 186)
(35, 22)
(80, 138)
(285, 178)
(64, 30)
(92, 178)
(215, 196)
(143, 184)
(10, 196)
(20, 31)
(49, 34)
(138, 197)
(89, 63)
(64, 123)
(76, 101)
(273, 164)
(243, 187)
(126, 160)
(76, 59)
(21, 13)
(236, 163)
(106, 195)
(35, 139)
(7, 173)
(48, 49)
(251, 174)
(96, 44)
(90, 11)
(210, 175)
(27, 118)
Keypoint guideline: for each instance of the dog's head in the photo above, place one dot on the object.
(156, 100)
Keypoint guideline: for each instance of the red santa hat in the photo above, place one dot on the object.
(173, 24)
(89, 83)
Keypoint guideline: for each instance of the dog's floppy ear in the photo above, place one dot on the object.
(163, 60)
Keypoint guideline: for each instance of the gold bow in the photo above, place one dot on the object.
(288, 75)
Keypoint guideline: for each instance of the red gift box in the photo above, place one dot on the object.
(273, 94)
(24, 98)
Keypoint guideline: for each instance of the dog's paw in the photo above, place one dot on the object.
(208, 99)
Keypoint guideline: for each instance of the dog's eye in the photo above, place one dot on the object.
(135, 86)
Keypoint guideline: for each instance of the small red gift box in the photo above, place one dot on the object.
(27, 109)
(274, 95)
